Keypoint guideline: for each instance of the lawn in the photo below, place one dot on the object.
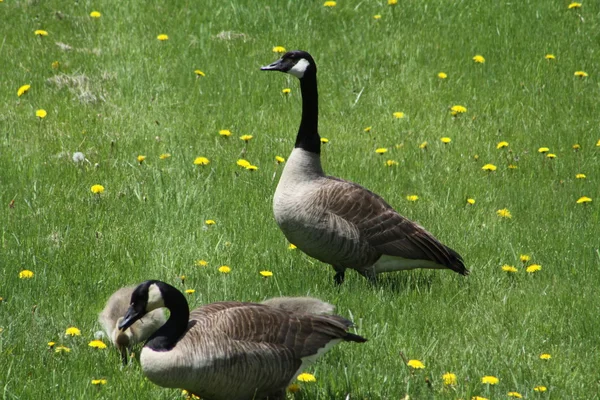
(113, 91)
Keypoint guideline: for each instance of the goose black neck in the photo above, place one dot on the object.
(165, 338)
(308, 135)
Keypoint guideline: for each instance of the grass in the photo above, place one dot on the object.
(119, 93)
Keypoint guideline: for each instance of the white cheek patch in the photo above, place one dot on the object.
(299, 69)
(155, 299)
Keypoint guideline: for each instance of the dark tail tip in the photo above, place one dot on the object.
(351, 337)
(456, 263)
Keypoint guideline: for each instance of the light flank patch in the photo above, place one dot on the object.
(391, 263)
(155, 299)
(299, 69)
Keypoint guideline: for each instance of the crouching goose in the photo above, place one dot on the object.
(307, 305)
(230, 350)
(339, 222)
(112, 314)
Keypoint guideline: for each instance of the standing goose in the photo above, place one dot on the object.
(230, 350)
(112, 314)
(340, 222)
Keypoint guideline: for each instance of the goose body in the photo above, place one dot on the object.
(340, 222)
(230, 350)
(112, 314)
(306, 305)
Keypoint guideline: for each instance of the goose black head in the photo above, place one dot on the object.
(295, 62)
(146, 297)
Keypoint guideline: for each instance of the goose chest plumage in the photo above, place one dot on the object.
(232, 350)
(340, 222)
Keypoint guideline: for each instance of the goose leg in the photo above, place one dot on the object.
(370, 274)
(340, 274)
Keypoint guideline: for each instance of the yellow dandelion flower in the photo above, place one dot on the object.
(512, 166)
(190, 291)
(449, 378)
(516, 395)
(574, 5)
(377, 16)
(278, 49)
(73, 331)
(99, 381)
(266, 273)
(598, 143)
(478, 398)
(442, 75)
(246, 138)
(225, 133)
(279, 159)
(286, 91)
(97, 344)
(540, 388)
(40, 32)
(509, 268)
(583, 200)
(22, 90)
(210, 222)
(292, 246)
(490, 380)
(392, 2)
(489, 167)
(368, 129)
(293, 388)
(199, 73)
(543, 150)
(398, 114)
(141, 158)
(549, 57)
(201, 161)
(504, 213)
(55, 64)
(251, 168)
(576, 146)
(502, 145)
(51, 344)
(391, 163)
(445, 140)
(580, 176)
(62, 349)
(533, 268)
(41, 113)
(162, 37)
(479, 59)
(458, 109)
(476, 157)
(306, 377)
(329, 4)
(95, 14)
(551, 155)
(164, 156)
(412, 197)
(381, 150)
(97, 189)
(545, 356)
(416, 364)
(243, 163)
(25, 274)
(423, 145)
(471, 201)
(201, 263)
(324, 140)
(224, 269)
(581, 74)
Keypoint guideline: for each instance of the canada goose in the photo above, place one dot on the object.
(340, 222)
(112, 314)
(230, 350)
(307, 305)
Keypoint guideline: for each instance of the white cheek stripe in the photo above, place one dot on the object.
(299, 69)
(155, 299)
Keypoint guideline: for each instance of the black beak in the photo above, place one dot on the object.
(129, 318)
(276, 66)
